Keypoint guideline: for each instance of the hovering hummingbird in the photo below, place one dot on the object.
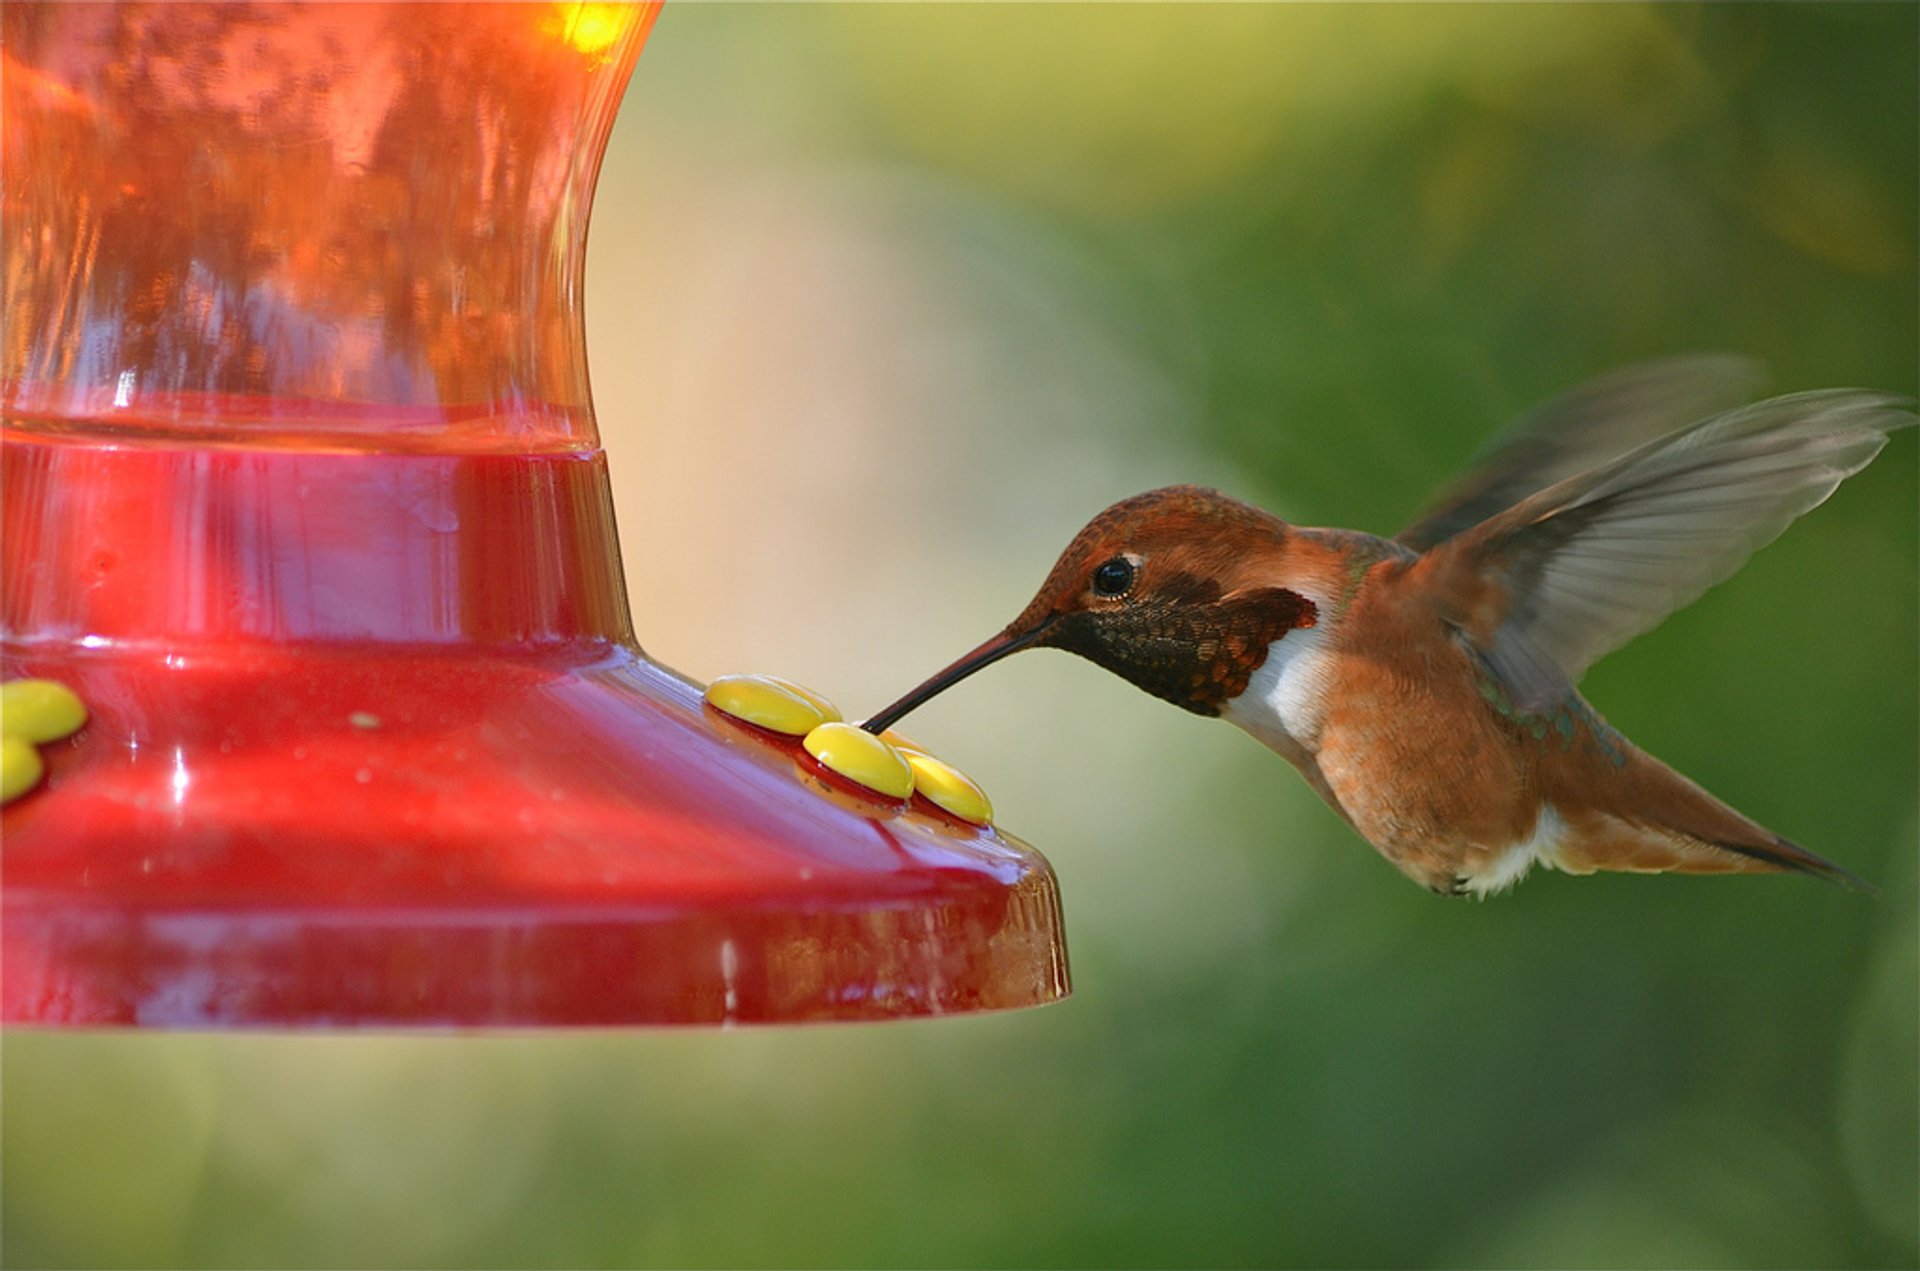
(1424, 684)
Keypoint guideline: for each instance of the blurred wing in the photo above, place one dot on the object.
(1582, 429)
(1593, 561)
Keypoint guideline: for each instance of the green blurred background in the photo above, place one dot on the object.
(885, 302)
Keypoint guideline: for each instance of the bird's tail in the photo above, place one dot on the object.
(1670, 825)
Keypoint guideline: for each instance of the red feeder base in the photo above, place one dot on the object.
(450, 793)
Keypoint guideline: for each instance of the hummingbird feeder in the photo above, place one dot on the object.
(304, 497)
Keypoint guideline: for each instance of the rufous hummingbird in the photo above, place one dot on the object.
(1424, 684)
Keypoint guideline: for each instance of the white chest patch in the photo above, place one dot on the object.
(1286, 698)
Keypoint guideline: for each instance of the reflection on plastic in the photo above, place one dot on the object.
(342, 224)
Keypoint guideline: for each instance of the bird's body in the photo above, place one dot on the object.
(1401, 729)
(1424, 685)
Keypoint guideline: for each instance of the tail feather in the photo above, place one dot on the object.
(1784, 855)
(1641, 848)
(1657, 821)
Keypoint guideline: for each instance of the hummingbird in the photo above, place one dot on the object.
(1425, 684)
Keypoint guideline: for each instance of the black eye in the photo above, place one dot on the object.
(1115, 578)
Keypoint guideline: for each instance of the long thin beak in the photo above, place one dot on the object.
(992, 651)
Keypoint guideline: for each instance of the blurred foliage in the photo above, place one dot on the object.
(1318, 253)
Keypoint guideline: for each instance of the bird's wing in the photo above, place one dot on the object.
(1582, 429)
(1593, 561)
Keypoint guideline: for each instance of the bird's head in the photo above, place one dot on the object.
(1174, 590)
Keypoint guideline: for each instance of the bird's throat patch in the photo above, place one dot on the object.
(1190, 645)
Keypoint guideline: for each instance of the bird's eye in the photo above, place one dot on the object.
(1115, 578)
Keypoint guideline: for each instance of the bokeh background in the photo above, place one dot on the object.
(885, 301)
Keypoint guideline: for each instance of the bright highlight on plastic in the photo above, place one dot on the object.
(862, 758)
(768, 703)
(33, 711)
